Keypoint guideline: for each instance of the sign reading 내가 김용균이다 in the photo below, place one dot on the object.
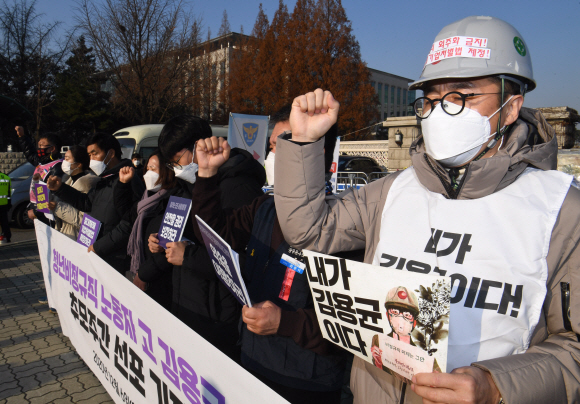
(396, 320)
(174, 220)
(138, 350)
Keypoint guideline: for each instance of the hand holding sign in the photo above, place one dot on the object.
(211, 154)
(263, 318)
(312, 115)
(153, 243)
(54, 183)
(463, 385)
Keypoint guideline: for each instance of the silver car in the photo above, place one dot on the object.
(21, 178)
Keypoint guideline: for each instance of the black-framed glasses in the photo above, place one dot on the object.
(452, 103)
(173, 165)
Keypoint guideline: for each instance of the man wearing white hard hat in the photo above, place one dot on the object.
(482, 203)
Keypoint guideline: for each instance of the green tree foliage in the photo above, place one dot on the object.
(80, 104)
(30, 58)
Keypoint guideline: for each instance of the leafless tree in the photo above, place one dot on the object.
(146, 48)
(30, 57)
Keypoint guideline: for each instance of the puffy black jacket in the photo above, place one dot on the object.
(200, 299)
(99, 203)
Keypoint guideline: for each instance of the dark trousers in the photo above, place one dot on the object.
(4, 221)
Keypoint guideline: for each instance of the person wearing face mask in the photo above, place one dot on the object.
(105, 161)
(151, 273)
(138, 163)
(45, 156)
(482, 203)
(76, 167)
(280, 123)
(200, 300)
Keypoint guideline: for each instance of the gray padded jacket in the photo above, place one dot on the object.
(549, 371)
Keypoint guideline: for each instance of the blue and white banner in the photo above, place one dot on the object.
(138, 350)
(249, 132)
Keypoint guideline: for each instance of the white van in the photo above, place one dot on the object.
(143, 139)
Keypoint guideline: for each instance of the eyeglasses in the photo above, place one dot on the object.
(173, 165)
(398, 313)
(452, 103)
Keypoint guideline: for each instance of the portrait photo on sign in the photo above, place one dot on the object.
(396, 320)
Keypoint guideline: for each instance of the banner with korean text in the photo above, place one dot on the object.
(396, 320)
(139, 351)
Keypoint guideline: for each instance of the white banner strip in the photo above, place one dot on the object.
(467, 41)
(140, 352)
(458, 52)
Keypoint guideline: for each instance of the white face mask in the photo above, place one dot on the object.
(66, 167)
(269, 165)
(187, 173)
(455, 140)
(136, 162)
(99, 166)
(150, 179)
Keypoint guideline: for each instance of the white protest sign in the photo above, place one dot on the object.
(249, 132)
(138, 350)
(396, 320)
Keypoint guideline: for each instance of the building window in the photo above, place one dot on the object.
(386, 100)
(405, 96)
(392, 98)
(380, 92)
(398, 96)
(373, 84)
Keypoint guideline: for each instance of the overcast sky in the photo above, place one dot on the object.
(395, 36)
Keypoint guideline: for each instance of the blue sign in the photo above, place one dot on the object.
(174, 220)
(226, 263)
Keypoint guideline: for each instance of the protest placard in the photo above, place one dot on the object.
(396, 320)
(226, 262)
(89, 231)
(42, 197)
(174, 220)
(138, 350)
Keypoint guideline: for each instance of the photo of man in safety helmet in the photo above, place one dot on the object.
(402, 309)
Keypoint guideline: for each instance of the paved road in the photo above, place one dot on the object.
(22, 234)
(38, 364)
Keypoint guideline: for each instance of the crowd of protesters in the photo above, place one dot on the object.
(462, 174)
(278, 339)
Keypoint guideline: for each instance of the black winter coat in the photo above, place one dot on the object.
(240, 180)
(99, 203)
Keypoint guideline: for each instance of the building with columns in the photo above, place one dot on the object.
(394, 96)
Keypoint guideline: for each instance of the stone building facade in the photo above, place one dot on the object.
(9, 161)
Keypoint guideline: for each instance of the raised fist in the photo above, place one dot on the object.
(36, 177)
(126, 174)
(312, 115)
(54, 183)
(211, 154)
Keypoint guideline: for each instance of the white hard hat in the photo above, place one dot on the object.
(475, 47)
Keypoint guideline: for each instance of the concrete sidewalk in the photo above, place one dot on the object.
(38, 364)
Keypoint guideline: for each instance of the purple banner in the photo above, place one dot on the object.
(42, 197)
(225, 262)
(89, 231)
(174, 220)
